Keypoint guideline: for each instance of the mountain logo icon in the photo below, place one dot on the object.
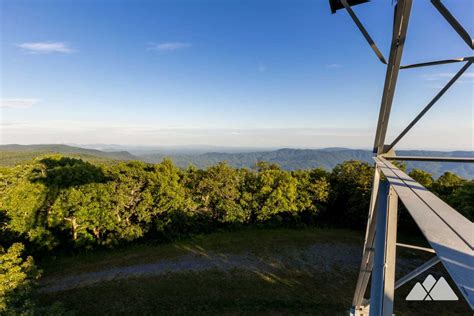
(432, 290)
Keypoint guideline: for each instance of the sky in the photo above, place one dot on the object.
(225, 73)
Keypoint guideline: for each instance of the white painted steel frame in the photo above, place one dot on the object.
(454, 23)
(413, 274)
(449, 233)
(364, 31)
(383, 275)
(400, 28)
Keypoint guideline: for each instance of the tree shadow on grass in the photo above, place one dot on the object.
(61, 173)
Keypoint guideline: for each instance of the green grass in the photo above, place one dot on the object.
(263, 242)
(234, 293)
(286, 290)
(212, 292)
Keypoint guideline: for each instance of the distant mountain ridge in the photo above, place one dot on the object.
(327, 158)
(287, 158)
(14, 154)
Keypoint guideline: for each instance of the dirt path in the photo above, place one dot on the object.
(318, 258)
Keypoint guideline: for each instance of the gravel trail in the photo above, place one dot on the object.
(318, 258)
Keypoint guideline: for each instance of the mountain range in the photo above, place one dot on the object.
(287, 158)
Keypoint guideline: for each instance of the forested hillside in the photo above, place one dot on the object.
(294, 159)
(62, 203)
(11, 155)
(57, 201)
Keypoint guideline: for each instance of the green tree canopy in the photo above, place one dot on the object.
(17, 279)
(422, 177)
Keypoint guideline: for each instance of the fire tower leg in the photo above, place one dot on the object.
(383, 275)
(379, 258)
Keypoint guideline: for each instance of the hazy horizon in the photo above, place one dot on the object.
(205, 147)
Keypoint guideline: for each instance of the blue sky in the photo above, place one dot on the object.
(233, 73)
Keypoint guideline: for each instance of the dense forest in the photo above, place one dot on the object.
(58, 203)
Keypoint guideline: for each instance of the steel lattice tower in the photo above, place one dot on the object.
(449, 233)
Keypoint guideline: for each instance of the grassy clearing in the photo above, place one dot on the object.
(234, 293)
(261, 242)
(282, 290)
(212, 292)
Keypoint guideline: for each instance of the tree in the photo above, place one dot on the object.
(445, 185)
(422, 177)
(23, 201)
(59, 201)
(30, 199)
(312, 190)
(174, 212)
(265, 165)
(351, 184)
(17, 279)
(463, 200)
(87, 213)
(131, 200)
(217, 192)
(276, 193)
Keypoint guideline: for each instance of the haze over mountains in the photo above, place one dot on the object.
(205, 156)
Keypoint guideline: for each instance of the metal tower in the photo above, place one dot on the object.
(450, 234)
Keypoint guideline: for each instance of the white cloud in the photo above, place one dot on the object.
(168, 46)
(46, 47)
(333, 66)
(17, 103)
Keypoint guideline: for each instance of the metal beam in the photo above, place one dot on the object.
(421, 158)
(454, 23)
(415, 247)
(457, 223)
(364, 31)
(402, 15)
(377, 286)
(429, 105)
(368, 250)
(390, 253)
(413, 274)
(448, 232)
(438, 62)
(383, 275)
